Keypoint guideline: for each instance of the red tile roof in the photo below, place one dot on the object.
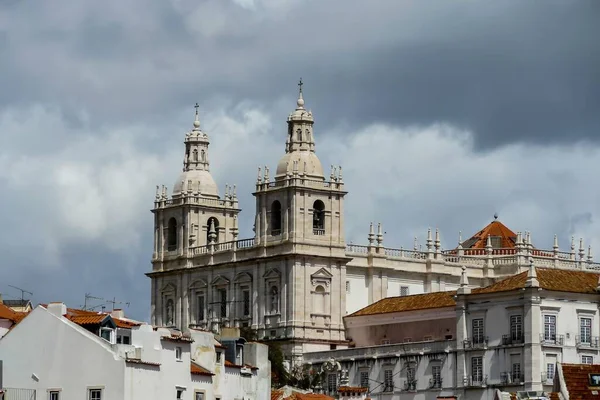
(95, 315)
(84, 319)
(556, 280)
(352, 389)
(13, 316)
(277, 394)
(196, 369)
(576, 379)
(501, 237)
(180, 339)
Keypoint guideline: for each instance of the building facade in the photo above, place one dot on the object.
(297, 278)
(59, 353)
(472, 342)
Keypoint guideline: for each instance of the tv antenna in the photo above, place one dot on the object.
(23, 291)
(88, 296)
(114, 301)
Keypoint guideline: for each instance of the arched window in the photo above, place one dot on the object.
(212, 230)
(299, 132)
(195, 155)
(172, 235)
(319, 300)
(203, 156)
(318, 218)
(274, 299)
(276, 218)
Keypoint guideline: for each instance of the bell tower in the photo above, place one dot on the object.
(194, 216)
(299, 206)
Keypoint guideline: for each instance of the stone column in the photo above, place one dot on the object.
(532, 349)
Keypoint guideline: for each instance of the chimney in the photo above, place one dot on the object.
(57, 308)
(117, 313)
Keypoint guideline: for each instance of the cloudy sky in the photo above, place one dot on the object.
(441, 113)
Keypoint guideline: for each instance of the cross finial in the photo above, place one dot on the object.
(196, 120)
(300, 85)
(196, 107)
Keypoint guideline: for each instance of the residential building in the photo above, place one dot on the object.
(18, 305)
(8, 319)
(296, 278)
(61, 353)
(576, 381)
(508, 336)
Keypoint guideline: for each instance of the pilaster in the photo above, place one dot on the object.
(532, 349)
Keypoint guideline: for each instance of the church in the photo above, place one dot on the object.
(296, 279)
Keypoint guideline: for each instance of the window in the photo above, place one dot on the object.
(411, 383)
(218, 356)
(347, 286)
(274, 299)
(388, 381)
(364, 379)
(178, 353)
(54, 395)
(172, 235)
(299, 132)
(436, 376)
(318, 218)
(106, 334)
(403, 290)
(95, 394)
(276, 218)
(477, 369)
(246, 302)
(516, 371)
(587, 359)
(195, 155)
(516, 328)
(199, 396)
(180, 393)
(550, 328)
(585, 330)
(550, 371)
(319, 304)
(200, 308)
(222, 296)
(477, 331)
(332, 383)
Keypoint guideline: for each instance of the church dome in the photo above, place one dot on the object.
(201, 180)
(314, 169)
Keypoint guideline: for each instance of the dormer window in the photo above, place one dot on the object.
(108, 334)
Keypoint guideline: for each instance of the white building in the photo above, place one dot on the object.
(296, 278)
(472, 342)
(8, 318)
(56, 353)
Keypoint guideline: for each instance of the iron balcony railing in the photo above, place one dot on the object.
(507, 378)
(435, 383)
(476, 342)
(476, 381)
(587, 341)
(410, 384)
(552, 340)
(17, 394)
(513, 339)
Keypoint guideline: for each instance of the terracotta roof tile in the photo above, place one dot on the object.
(408, 303)
(576, 377)
(196, 369)
(501, 237)
(554, 396)
(92, 319)
(557, 280)
(9, 314)
(177, 338)
(277, 394)
(352, 389)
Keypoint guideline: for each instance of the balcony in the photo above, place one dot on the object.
(511, 378)
(17, 394)
(477, 342)
(513, 339)
(552, 340)
(476, 381)
(435, 383)
(318, 231)
(587, 342)
(383, 351)
(410, 385)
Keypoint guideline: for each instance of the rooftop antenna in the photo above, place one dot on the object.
(23, 291)
(114, 301)
(87, 297)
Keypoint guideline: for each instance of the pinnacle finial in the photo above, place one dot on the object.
(300, 101)
(196, 119)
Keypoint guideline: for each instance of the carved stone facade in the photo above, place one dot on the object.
(296, 279)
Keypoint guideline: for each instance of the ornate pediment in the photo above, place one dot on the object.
(272, 273)
(243, 277)
(322, 276)
(198, 284)
(169, 288)
(220, 281)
